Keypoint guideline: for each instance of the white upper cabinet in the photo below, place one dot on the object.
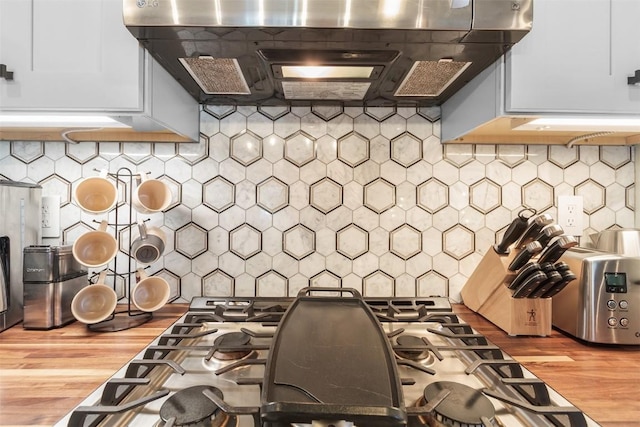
(68, 55)
(77, 56)
(577, 59)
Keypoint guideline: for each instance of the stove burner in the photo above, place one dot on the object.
(231, 340)
(189, 407)
(415, 355)
(464, 406)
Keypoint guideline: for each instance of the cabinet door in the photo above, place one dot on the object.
(576, 59)
(68, 55)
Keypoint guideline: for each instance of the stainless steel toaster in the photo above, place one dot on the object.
(603, 304)
(52, 277)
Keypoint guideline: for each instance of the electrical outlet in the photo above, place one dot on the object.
(570, 214)
(50, 216)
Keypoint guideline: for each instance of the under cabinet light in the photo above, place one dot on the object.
(47, 120)
(326, 72)
(591, 124)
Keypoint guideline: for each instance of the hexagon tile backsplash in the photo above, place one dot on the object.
(275, 199)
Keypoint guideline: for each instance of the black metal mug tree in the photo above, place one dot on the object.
(130, 317)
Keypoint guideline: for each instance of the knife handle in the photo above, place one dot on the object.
(548, 233)
(514, 231)
(553, 252)
(552, 278)
(529, 284)
(523, 274)
(535, 227)
(566, 279)
(525, 255)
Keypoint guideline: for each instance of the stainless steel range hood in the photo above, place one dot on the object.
(373, 52)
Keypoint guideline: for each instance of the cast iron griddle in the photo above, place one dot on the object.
(331, 360)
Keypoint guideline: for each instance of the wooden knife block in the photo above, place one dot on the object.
(486, 293)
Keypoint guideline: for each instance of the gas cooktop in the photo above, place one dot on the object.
(326, 358)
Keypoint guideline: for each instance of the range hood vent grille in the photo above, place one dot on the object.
(217, 75)
(430, 78)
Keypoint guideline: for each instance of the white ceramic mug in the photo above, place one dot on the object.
(151, 195)
(94, 303)
(150, 293)
(95, 248)
(148, 247)
(96, 194)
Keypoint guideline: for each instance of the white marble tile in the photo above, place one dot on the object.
(285, 264)
(246, 148)
(28, 151)
(40, 168)
(338, 218)
(299, 241)
(391, 264)
(393, 172)
(258, 264)
(405, 286)
(366, 218)
(313, 171)
(271, 284)
(231, 218)
(366, 126)
(352, 241)
(325, 241)
(204, 264)
(233, 124)
(353, 195)
(379, 149)
(272, 242)
(313, 125)
(218, 284)
(406, 149)
(312, 265)
(232, 170)
(260, 125)
(191, 240)
(327, 149)
(245, 241)
(418, 265)
(286, 171)
(405, 242)
(245, 194)
(366, 264)
(472, 172)
(259, 218)
(340, 126)
(419, 126)
(231, 264)
(339, 264)
(194, 152)
(192, 193)
(286, 125)
(392, 218)
(296, 284)
(245, 285)
(378, 284)
(286, 218)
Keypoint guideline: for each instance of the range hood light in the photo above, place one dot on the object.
(593, 124)
(326, 72)
(40, 120)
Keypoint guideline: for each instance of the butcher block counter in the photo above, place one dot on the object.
(44, 374)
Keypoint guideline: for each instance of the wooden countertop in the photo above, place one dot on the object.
(44, 374)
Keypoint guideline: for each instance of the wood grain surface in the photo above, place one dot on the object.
(44, 374)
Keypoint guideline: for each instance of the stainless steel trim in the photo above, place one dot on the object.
(363, 14)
